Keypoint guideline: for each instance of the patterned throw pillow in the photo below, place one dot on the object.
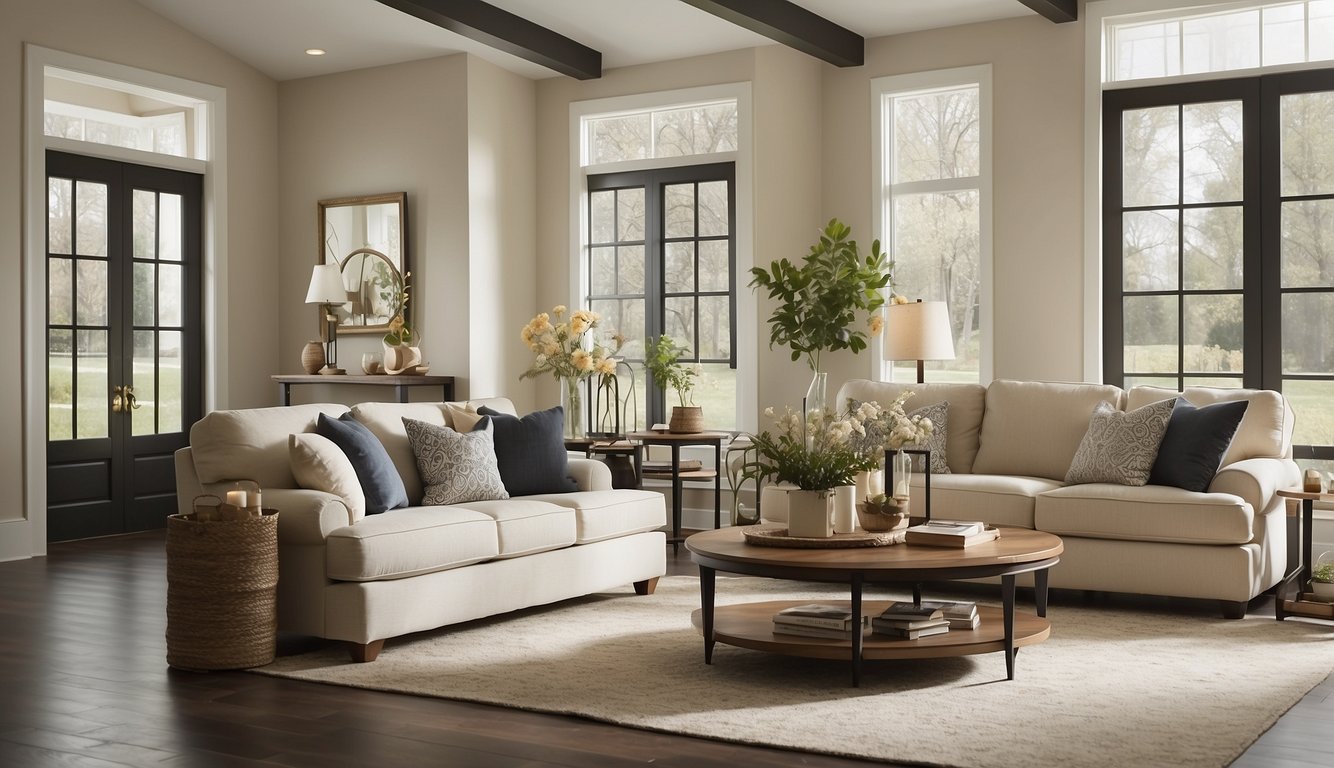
(1120, 446)
(939, 414)
(455, 466)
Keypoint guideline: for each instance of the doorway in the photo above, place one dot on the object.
(124, 341)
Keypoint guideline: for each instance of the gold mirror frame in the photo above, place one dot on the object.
(359, 234)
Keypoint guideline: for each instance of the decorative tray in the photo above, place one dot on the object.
(769, 536)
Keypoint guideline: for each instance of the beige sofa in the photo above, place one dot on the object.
(362, 579)
(1009, 445)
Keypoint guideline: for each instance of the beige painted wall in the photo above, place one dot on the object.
(123, 32)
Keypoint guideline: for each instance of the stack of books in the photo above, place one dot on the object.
(950, 533)
(906, 621)
(687, 465)
(818, 620)
(960, 615)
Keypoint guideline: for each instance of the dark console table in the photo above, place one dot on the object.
(400, 383)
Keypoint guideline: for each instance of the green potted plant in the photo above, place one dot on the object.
(662, 358)
(819, 300)
(1322, 579)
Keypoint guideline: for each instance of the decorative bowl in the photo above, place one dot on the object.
(888, 517)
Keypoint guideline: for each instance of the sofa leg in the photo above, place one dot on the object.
(1233, 609)
(362, 653)
(646, 586)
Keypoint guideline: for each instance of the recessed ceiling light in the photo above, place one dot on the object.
(315, 51)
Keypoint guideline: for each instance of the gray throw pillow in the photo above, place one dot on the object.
(455, 466)
(375, 470)
(939, 414)
(1120, 446)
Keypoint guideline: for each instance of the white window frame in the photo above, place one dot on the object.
(882, 90)
(747, 354)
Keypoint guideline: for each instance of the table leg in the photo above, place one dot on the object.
(285, 393)
(856, 630)
(677, 488)
(402, 393)
(1040, 591)
(706, 610)
(1308, 513)
(1007, 590)
(718, 485)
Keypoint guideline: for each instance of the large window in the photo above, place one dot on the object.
(934, 205)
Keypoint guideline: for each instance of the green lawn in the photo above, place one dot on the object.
(94, 399)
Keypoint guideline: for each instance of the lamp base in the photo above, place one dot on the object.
(331, 371)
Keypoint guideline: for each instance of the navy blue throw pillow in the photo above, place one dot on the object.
(531, 451)
(1195, 442)
(375, 470)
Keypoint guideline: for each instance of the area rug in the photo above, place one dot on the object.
(1113, 686)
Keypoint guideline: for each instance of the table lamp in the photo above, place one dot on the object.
(326, 288)
(918, 331)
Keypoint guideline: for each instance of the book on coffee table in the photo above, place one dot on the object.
(933, 627)
(818, 615)
(781, 628)
(907, 610)
(950, 534)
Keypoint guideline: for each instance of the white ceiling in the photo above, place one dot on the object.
(272, 35)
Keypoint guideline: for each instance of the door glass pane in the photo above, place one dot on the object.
(60, 291)
(602, 271)
(714, 271)
(1308, 153)
(1213, 329)
(145, 293)
(713, 218)
(58, 224)
(602, 223)
(1308, 333)
(169, 294)
(679, 268)
(1150, 324)
(1307, 228)
(936, 136)
(91, 292)
(679, 206)
(1211, 158)
(92, 401)
(1150, 250)
(91, 218)
(145, 224)
(630, 214)
(169, 227)
(170, 382)
(630, 275)
(1213, 248)
(1149, 157)
(1314, 400)
(143, 419)
(679, 322)
(715, 324)
(60, 385)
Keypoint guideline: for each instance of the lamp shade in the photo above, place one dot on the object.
(326, 285)
(918, 330)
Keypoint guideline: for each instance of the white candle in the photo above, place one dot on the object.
(256, 499)
(236, 498)
(876, 483)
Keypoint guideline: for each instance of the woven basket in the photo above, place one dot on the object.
(222, 590)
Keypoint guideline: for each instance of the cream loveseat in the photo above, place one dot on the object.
(1009, 446)
(365, 578)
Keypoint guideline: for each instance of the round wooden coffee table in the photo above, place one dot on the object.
(750, 625)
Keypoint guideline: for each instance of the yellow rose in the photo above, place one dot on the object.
(877, 323)
(581, 360)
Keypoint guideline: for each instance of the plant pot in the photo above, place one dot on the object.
(890, 517)
(808, 514)
(686, 418)
(1323, 590)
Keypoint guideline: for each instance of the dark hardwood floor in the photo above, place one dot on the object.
(84, 683)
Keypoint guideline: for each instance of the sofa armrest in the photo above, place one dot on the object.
(590, 474)
(306, 516)
(1257, 480)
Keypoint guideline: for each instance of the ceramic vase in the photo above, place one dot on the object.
(845, 509)
(808, 514)
(312, 357)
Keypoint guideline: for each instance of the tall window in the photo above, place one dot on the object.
(935, 202)
(660, 245)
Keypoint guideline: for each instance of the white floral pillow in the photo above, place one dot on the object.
(455, 467)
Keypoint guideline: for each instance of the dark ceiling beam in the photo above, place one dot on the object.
(793, 26)
(506, 32)
(1059, 11)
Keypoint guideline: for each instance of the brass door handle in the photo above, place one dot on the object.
(123, 400)
(130, 399)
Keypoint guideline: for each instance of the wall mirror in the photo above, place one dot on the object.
(366, 236)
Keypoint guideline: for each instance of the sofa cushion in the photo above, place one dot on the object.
(1265, 432)
(1144, 513)
(1195, 442)
(528, 525)
(1033, 428)
(379, 478)
(251, 444)
(319, 464)
(455, 466)
(608, 514)
(531, 451)
(407, 542)
(1120, 446)
(967, 402)
(994, 499)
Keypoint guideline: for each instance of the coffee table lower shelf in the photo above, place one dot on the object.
(751, 625)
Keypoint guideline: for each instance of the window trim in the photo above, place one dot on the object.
(882, 88)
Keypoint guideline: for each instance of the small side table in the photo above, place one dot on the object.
(1301, 574)
(675, 440)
